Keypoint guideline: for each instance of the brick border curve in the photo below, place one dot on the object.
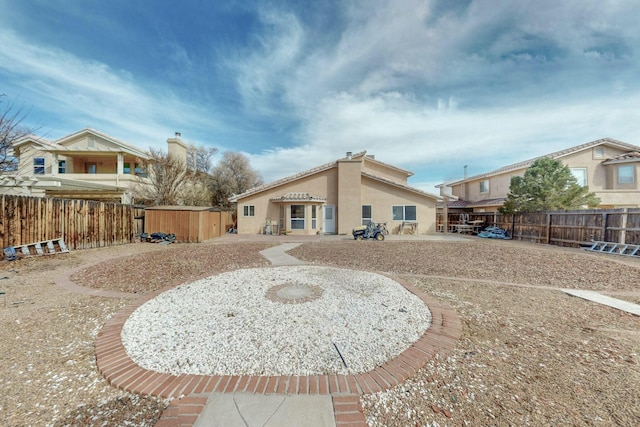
(122, 372)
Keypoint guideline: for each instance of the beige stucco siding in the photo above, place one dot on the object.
(349, 206)
(323, 184)
(343, 186)
(382, 197)
(384, 171)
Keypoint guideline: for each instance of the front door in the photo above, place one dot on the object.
(329, 219)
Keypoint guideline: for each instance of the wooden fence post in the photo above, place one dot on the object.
(604, 226)
(548, 236)
(623, 226)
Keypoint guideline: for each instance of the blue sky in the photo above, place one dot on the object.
(428, 86)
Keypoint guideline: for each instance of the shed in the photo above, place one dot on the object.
(193, 224)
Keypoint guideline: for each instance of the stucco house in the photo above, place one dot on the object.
(336, 197)
(87, 164)
(610, 169)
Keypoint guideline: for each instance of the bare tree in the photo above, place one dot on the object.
(232, 175)
(165, 178)
(199, 158)
(11, 130)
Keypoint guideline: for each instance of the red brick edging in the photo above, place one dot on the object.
(122, 372)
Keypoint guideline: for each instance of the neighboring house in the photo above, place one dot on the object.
(336, 197)
(610, 169)
(84, 165)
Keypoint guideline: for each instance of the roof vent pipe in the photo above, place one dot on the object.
(349, 154)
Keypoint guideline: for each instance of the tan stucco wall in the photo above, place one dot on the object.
(599, 177)
(323, 184)
(25, 164)
(618, 198)
(382, 200)
(383, 171)
(348, 208)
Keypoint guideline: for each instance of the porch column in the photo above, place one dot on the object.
(54, 166)
(120, 167)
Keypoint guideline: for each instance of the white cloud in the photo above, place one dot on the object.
(90, 93)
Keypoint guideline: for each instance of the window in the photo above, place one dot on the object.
(598, 152)
(297, 217)
(126, 168)
(91, 168)
(314, 220)
(249, 210)
(38, 166)
(404, 213)
(580, 175)
(366, 214)
(625, 174)
(62, 166)
(140, 170)
(484, 186)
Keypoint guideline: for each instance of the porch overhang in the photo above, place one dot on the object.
(298, 198)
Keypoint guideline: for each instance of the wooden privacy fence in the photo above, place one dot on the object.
(567, 228)
(83, 224)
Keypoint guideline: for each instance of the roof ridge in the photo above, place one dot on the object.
(284, 180)
(398, 184)
(553, 155)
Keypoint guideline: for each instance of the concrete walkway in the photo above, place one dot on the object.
(629, 307)
(249, 410)
(278, 256)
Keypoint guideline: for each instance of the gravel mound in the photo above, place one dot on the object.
(296, 320)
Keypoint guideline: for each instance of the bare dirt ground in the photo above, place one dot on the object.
(529, 354)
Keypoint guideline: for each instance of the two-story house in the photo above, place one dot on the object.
(336, 197)
(84, 165)
(610, 169)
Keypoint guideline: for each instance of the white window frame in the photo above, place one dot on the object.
(299, 221)
(629, 178)
(484, 183)
(62, 166)
(39, 169)
(314, 217)
(394, 212)
(598, 152)
(366, 220)
(582, 181)
(248, 210)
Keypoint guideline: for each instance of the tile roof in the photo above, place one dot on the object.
(325, 167)
(398, 185)
(298, 197)
(284, 180)
(632, 156)
(555, 155)
(498, 201)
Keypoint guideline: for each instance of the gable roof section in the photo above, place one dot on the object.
(282, 181)
(632, 156)
(60, 143)
(402, 186)
(386, 165)
(43, 142)
(328, 166)
(556, 155)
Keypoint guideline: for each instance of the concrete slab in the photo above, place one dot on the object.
(277, 255)
(629, 307)
(251, 410)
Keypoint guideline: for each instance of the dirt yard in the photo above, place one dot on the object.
(529, 354)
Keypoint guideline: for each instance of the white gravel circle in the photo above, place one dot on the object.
(226, 325)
